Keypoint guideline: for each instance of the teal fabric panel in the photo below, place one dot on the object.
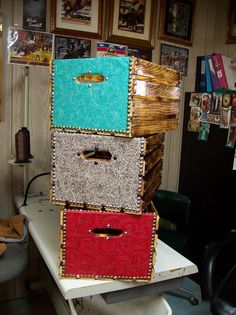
(103, 105)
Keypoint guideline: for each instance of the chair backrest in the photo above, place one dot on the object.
(13, 261)
(219, 258)
(173, 206)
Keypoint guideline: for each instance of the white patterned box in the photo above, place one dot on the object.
(105, 172)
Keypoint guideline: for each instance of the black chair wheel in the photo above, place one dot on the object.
(193, 300)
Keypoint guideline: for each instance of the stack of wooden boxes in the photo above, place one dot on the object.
(108, 118)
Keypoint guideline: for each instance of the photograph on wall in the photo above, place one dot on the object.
(194, 122)
(145, 54)
(79, 12)
(29, 48)
(34, 15)
(216, 103)
(225, 113)
(72, 48)
(176, 21)
(231, 138)
(205, 106)
(178, 18)
(195, 99)
(233, 110)
(204, 130)
(175, 58)
(109, 49)
(132, 16)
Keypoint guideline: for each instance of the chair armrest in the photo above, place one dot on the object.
(207, 271)
(224, 300)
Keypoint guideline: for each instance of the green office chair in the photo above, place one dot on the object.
(173, 209)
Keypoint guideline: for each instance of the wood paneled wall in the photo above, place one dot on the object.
(209, 36)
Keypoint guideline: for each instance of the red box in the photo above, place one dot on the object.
(108, 245)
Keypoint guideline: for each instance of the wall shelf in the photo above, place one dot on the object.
(13, 162)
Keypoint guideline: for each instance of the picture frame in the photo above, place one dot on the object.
(177, 21)
(67, 19)
(174, 57)
(29, 48)
(71, 48)
(34, 15)
(231, 26)
(129, 24)
(141, 53)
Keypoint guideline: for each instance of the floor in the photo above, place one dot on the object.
(182, 306)
(39, 304)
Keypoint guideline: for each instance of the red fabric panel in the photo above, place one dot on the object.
(87, 254)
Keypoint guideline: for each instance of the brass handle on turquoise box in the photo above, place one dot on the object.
(90, 78)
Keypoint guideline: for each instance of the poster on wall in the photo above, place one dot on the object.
(34, 15)
(131, 16)
(174, 57)
(108, 50)
(29, 48)
(145, 54)
(72, 48)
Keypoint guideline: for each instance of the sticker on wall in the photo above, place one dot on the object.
(108, 50)
(204, 130)
(225, 113)
(194, 122)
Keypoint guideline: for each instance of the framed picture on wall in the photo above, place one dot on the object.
(30, 48)
(142, 53)
(34, 15)
(77, 18)
(174, 57)
(231, 27)
(71, 48)
(132, 22)
(176, 21)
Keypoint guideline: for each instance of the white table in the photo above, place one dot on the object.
(44, 227)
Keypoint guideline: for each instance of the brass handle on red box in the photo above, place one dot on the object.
(107, 232)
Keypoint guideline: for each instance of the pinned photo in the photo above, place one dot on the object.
(29, 47)
(204, 130)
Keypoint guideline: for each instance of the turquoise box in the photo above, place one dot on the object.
(123, 96)
(91, 93)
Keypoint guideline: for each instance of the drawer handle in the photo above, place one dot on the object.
(95, 155)
(89, 78)
(107, 232)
